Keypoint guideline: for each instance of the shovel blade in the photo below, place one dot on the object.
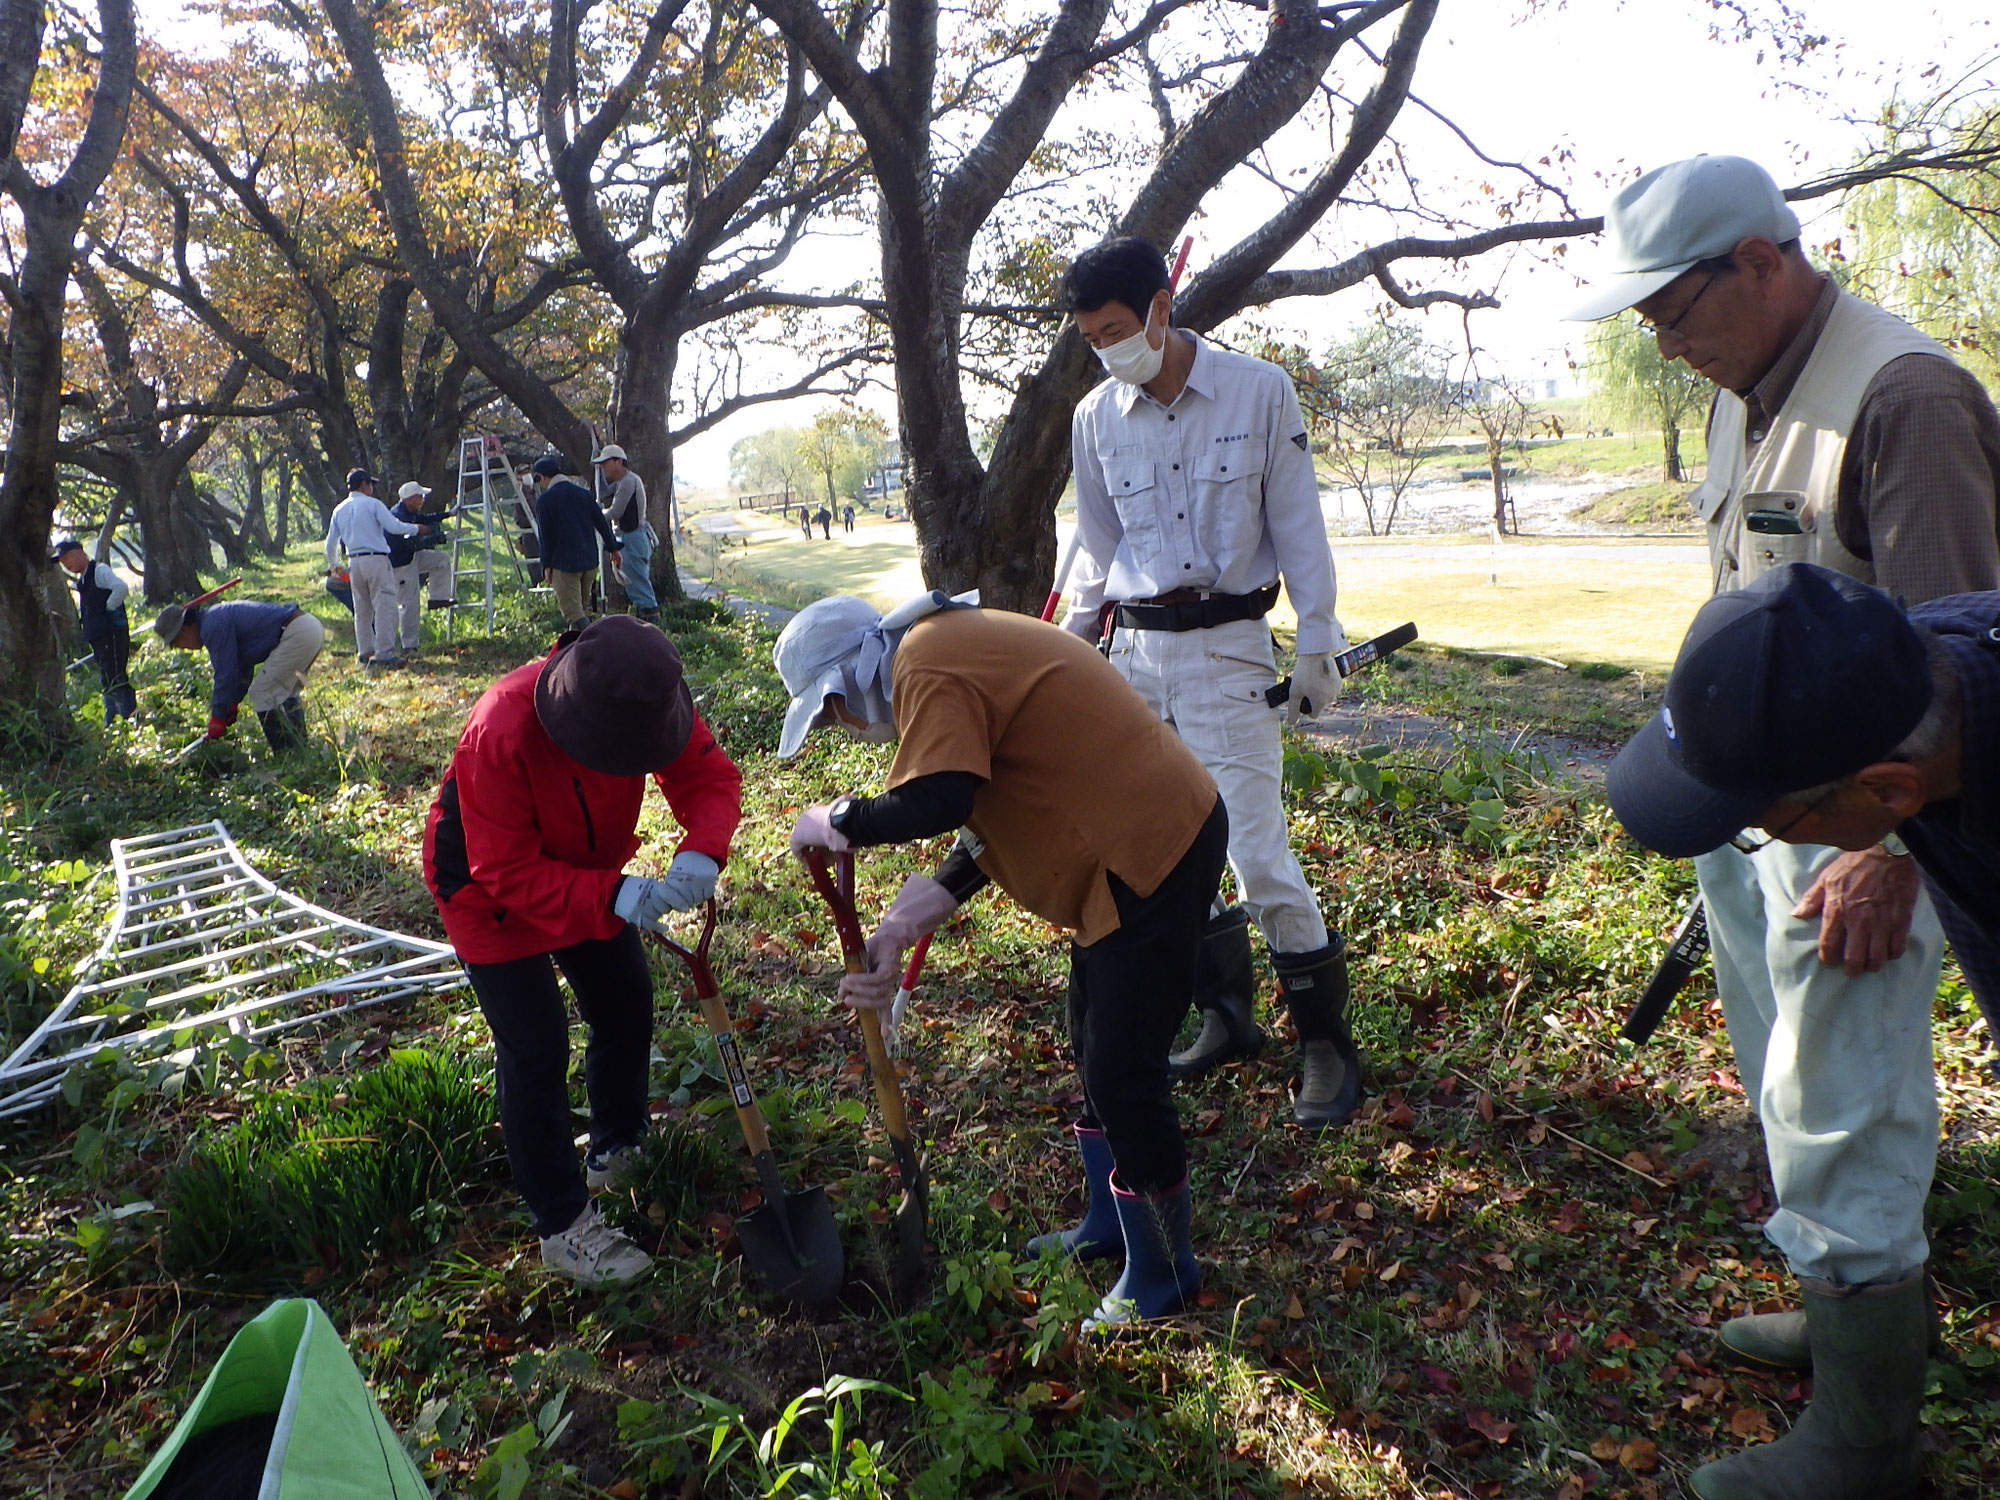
(912, 1224)
(792, 1248)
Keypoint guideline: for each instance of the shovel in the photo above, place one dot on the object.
(790, 1242)
(913, 1213)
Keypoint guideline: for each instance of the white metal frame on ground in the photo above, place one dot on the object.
(199, 940)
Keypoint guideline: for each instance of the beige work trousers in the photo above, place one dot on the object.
(282, 674)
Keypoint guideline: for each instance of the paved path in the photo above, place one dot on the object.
(701, 588)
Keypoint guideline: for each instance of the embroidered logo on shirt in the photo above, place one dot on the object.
(1302, 440)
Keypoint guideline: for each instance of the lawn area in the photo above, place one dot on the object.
(1499, 1282)
(1624, 603)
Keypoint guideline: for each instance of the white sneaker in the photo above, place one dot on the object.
(600, 1171)
(593, 1254)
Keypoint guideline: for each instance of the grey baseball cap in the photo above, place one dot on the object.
(1687, 211)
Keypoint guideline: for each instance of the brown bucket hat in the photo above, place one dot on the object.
(613, 698)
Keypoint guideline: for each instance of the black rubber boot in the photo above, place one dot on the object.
(1859, 1437)
(281, 730)
(1098, 1235)
(1314, 986)
(1160, 1276)
(1225, 989)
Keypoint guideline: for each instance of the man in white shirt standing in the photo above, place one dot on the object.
(624, 502)
(1195, 493)
(363, 525)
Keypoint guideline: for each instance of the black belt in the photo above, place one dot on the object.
(367, 554)
(1199, 614)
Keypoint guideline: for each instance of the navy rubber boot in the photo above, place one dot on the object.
(1098, 1235)
(1160, 1276)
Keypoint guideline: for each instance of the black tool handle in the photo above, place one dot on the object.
(1352, 660)
(1684, 953)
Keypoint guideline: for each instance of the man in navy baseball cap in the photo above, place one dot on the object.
(1789, 684)
(1810, 705)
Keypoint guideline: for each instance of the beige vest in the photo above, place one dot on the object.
(1795, 470)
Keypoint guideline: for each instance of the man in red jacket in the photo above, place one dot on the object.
(524, 853)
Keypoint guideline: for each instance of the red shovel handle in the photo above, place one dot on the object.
(836, 888)
(696, 958)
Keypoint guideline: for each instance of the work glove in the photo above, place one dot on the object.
(1085, 622)
(689, 881)
(920, 907)
(1316, 685)
(218, 726)
(815, 830)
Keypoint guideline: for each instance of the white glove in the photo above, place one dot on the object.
(920, 907)
(1082, 622)
(1316, 685)
(690, 879)
(815, 830)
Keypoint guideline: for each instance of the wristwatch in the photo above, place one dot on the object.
(1893, 845)
(838, 809)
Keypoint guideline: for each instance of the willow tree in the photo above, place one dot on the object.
(1631, 384)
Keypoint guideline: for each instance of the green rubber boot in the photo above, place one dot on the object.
(1769, 1342)
(1776, 1343)
(1858, 1439)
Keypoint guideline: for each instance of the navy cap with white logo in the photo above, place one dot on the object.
(1801, 678)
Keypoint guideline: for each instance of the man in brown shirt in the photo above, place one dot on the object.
(1076, 799)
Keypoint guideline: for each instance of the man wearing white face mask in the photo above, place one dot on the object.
(1195, 493)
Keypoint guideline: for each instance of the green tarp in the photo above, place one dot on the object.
(332, 1441)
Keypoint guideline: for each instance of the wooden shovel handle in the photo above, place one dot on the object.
(888, 1088)
(709, 997)
(755, 1135)
(837, 889)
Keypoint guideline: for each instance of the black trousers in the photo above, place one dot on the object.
(113, 652)
(613, 988)
(1128, 994)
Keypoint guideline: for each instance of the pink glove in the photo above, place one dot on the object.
(920, 907)
(815, 830)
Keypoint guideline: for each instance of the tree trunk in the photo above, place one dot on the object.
(177, 549)
(1670, 449)
(647, 364)
(281, 529)
(50, 218)
(1495, 449)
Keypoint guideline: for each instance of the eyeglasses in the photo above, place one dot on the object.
(1750, 841)
(1656, 330)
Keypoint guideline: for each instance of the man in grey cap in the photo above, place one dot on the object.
(1841, 436)
(624, 501)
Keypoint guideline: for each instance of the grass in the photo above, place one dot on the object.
(1498, 1281)
(1660, 506)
